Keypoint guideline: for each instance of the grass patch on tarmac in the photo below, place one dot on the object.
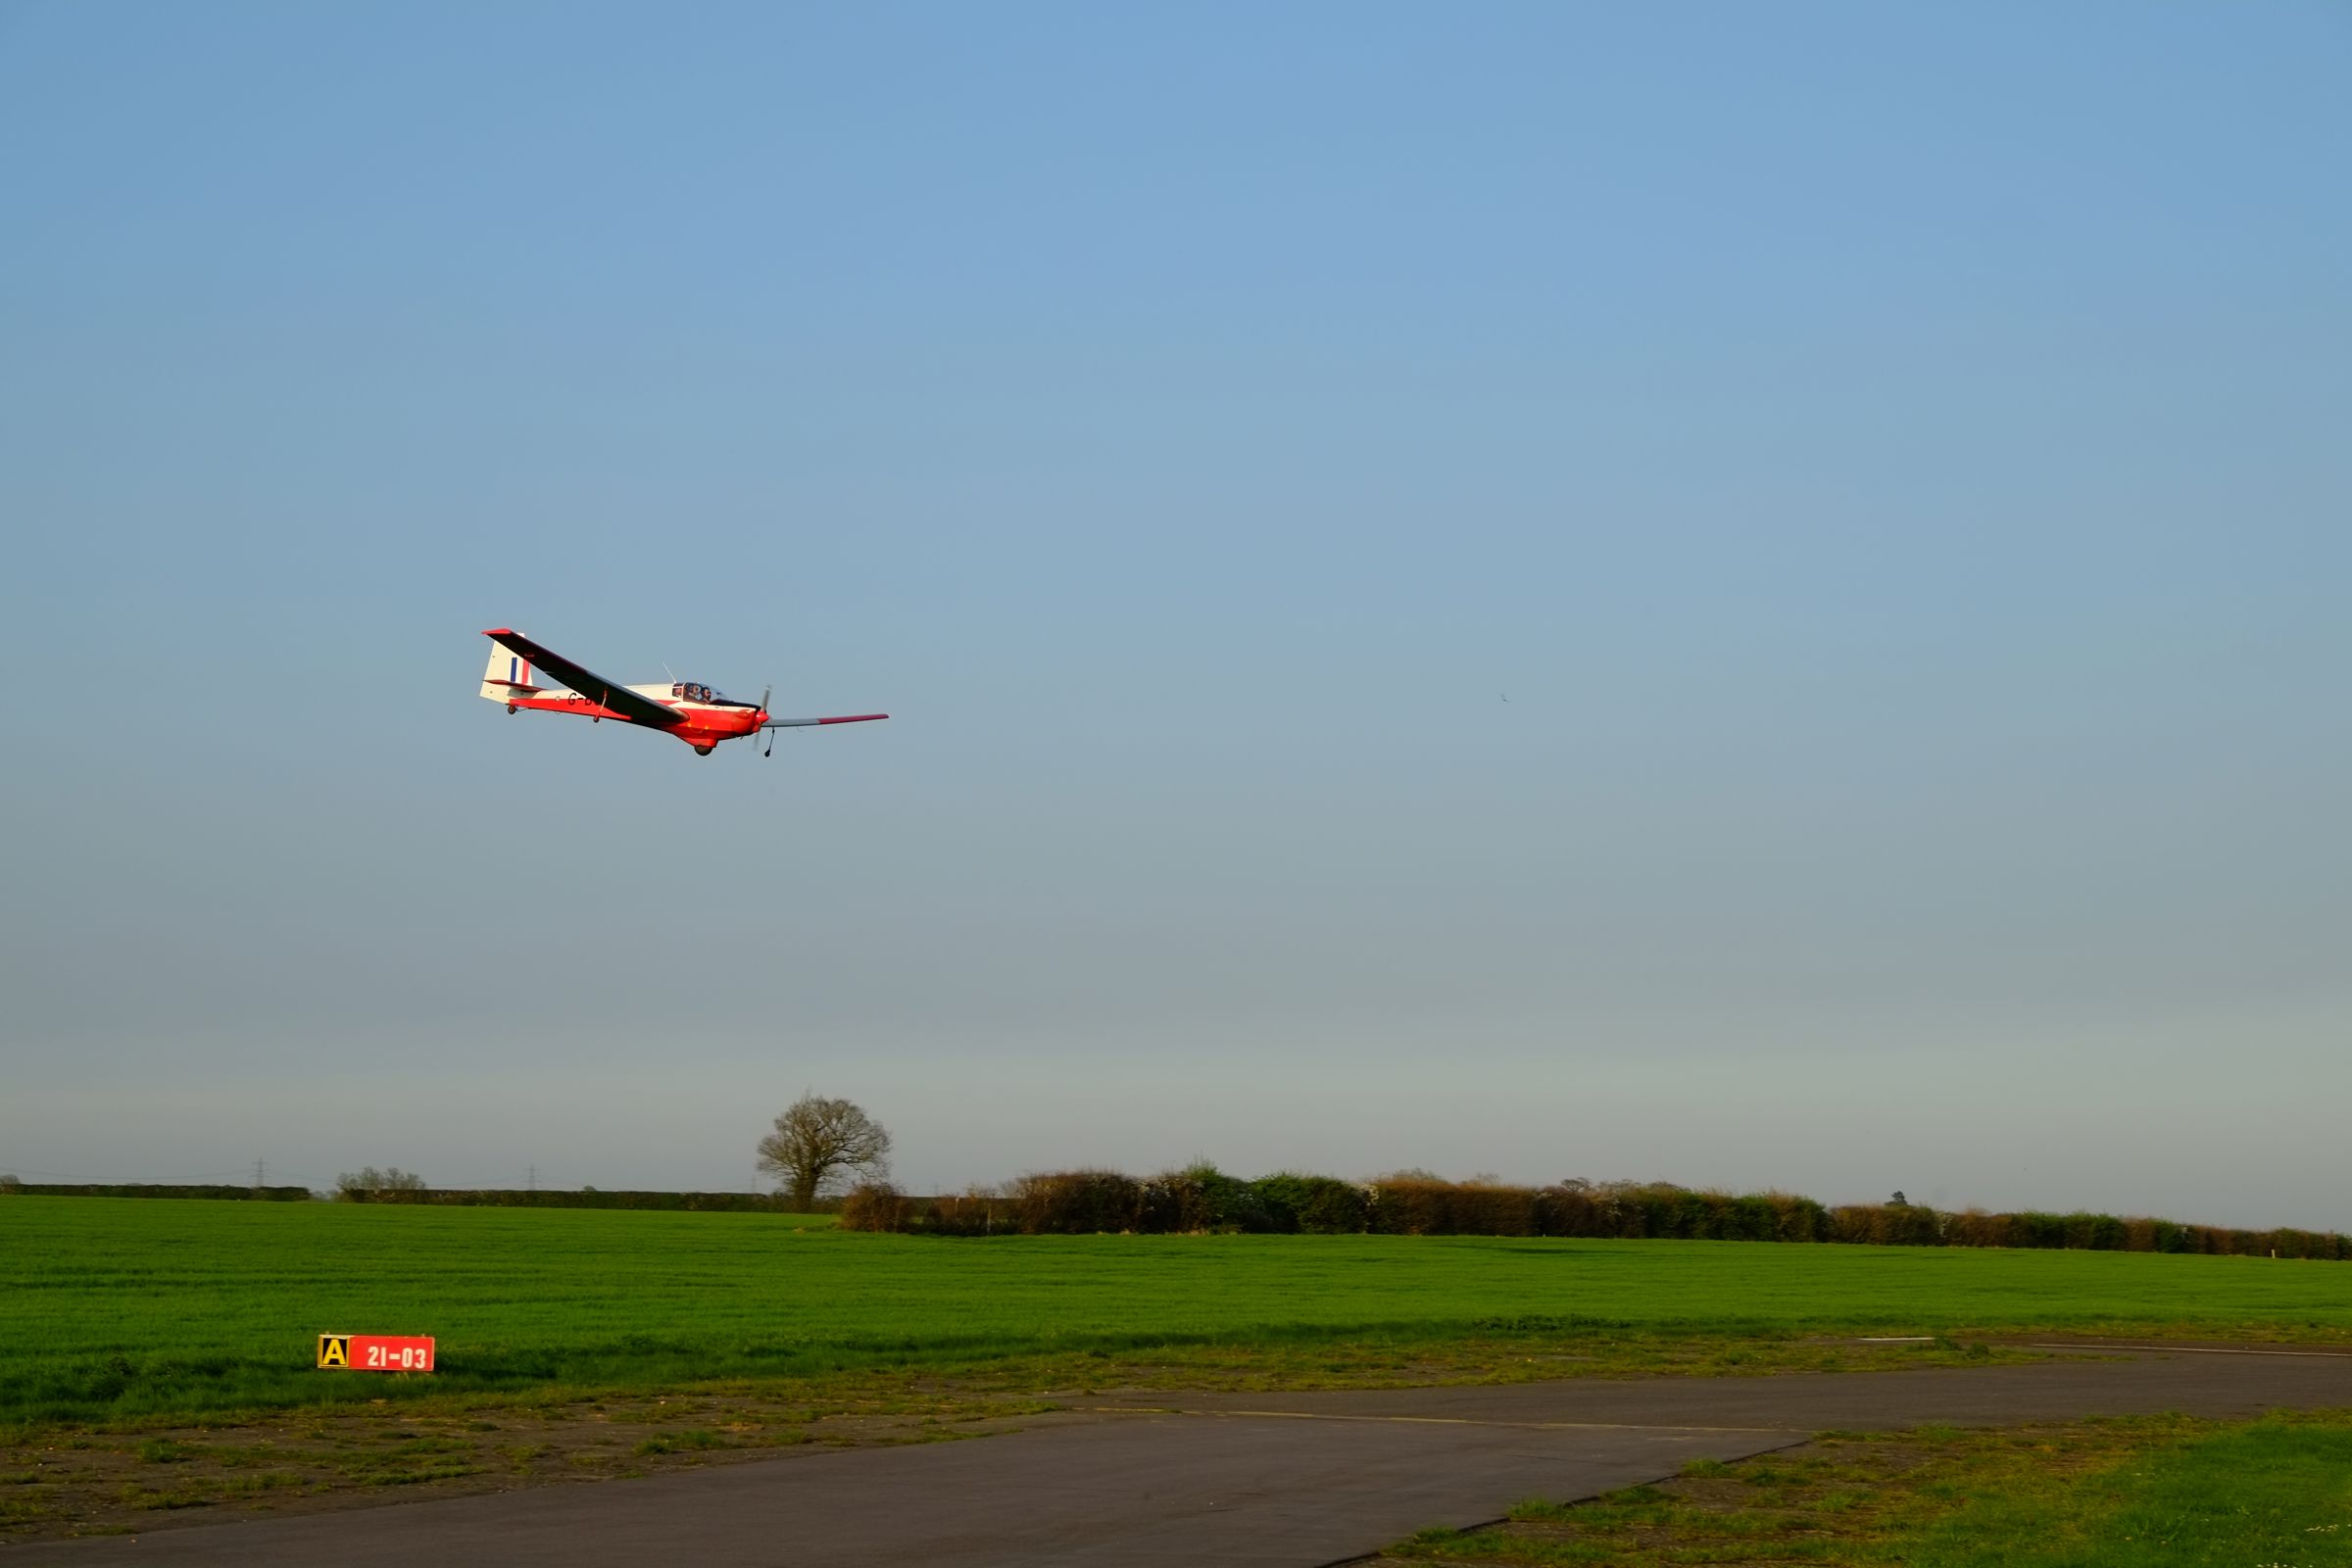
(2146, 1492)
(123, 1310)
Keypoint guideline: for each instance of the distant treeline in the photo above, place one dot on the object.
(268, 1195)
(437, 1197)
(585, 1197)
(1203, 1199)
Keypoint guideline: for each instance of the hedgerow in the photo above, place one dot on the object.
(1203, 1199)
(267, 1194)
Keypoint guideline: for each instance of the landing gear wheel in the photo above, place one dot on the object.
(701, 750)
(512, 708)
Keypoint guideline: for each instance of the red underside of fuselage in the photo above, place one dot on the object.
(696, 728)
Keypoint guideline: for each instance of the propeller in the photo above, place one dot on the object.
(769, 690)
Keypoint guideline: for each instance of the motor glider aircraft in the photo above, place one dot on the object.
(695, 714)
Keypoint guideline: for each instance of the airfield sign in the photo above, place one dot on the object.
(375, 1352)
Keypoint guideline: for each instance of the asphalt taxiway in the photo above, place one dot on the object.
(1261, 1481)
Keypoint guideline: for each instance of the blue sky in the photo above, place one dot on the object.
(1893, 462)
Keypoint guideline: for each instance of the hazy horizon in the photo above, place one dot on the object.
(1745, 598)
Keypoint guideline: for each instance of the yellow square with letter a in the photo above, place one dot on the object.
(334, 1349)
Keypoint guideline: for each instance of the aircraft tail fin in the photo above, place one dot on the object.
(508, 677)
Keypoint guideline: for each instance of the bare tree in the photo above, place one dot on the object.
(818, 1142)
(361, 1186)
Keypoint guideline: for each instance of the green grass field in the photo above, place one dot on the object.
(2138, 1492)
(122, 1308)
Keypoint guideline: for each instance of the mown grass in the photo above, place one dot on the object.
(2149, 1492)
(113, 1308)
(62, 1480)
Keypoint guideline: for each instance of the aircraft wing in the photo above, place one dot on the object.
(803, 723)
(610, 693)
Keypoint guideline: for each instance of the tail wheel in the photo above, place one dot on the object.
(701, 750)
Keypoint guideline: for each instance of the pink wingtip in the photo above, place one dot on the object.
(499, 631)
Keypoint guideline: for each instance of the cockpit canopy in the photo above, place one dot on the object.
(687, 691)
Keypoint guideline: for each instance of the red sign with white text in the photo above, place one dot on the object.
(376, 1353)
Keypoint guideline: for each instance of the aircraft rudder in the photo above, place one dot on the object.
(507, 674)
